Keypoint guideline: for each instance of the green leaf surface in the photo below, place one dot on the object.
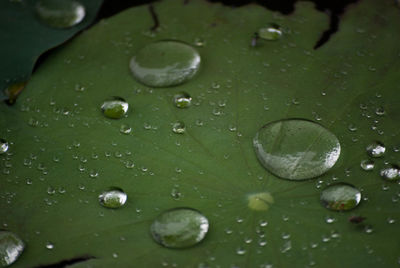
(59, 140)
(24, 38)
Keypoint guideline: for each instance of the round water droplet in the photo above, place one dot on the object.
(115, 108)
(3, 146)
(179, 228)
(165, 64)
(182, 100)
(260, 201)
(125, 129)
(376, 149)
(271, 33)
(60, 13)
(11, 247)
(391, 173)
(178, 127)
(340, 196)
(380, 111)
(296, 149)
(367, 165)
(113, 198)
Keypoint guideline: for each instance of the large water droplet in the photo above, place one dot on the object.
(296, 149)
(165, 63)
(340, 196)
(60, 13)
(179, 228)
(3, 146)
(391, 173)
(11, 247)
(272, 32)
(115, 108)
(182, 100)
(376, 149)
(113, 198)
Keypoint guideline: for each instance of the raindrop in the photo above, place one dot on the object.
(376, 149)
(178, 127)
(182, 100)
(165, 63)
(115, 108)
(340, 196)
(179, 228)
(11, 247)
(390, 173)
(60, 13)
(272, 32)
(296, 149)
(3, 146)
(367, 165)
(113, 198)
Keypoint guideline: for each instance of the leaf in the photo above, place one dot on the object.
(59, 140)
(24, 38)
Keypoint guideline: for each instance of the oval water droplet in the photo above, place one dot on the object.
(367, 165)
(296, 149)
(11, 247)
(3, 146)
(179, 228)
(391, 173)
(113, 198)
(115, 108)
(178, 127)
(340, 196)
(165, 64)
(376, 149)
(182, 100)
(60, 13)
(271, 33)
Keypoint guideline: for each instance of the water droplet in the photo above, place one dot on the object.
(178, 127)
(340, 196)
(3, 146)
(380, 111)
(376, 149)
(240, 251)
(260, 201)
(115, 108)
(165, 63)
(11, 247)
(272, 32)
(390, 173)
(368, 229)
(175, 193)
(296, 149)
(367, 165)
(49, 245)
(125, 129)
(182, 100)
(179, 228)
(113, 198)
(60, 13)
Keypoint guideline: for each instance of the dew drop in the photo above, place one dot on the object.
(60, 13)
(390, 173)
(296, 149)
(182, 100)
(49, 245)
(340, 196)
(367, 165)
(380, 111)
(165, 63)
(125, 129)
(178, 127)
(240, 251)
(271, 33)
(11, 247)
(179, 228)
(376, 149)
(3, 146)
(113, 198)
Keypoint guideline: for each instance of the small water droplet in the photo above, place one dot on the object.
(49, 245)
(376, 149)
(175, 193)
(390, 173)
(271, 33)
(125, 129)
(179, 228)
(260, 201)
(182, 100)
(165, 64)
(60, 13)
(340, 196)
(368, 229)
(11, 247)
(380, 111)
(178, 127)
(240, 251)
(278, 148)
(115, 108)
(113, 198)
(367, 165)
(3, 146)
